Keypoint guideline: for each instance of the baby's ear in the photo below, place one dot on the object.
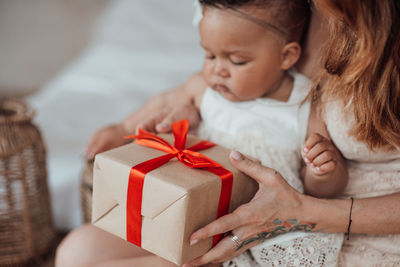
(290, 55)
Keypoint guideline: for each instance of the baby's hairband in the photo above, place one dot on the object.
(259, 22)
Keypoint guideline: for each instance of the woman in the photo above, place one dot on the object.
(360, 104)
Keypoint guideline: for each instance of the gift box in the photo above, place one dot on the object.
(158, 208)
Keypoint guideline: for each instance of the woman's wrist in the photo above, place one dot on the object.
(295, 215)
(316, 214)
(328, 215)
(375, 215)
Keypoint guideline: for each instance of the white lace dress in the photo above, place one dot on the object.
(371, 173)
(273, 132)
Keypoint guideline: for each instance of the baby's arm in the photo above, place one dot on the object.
(182, 102)
(161, 110)
(325, 172)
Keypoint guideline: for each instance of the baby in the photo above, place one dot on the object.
(254, 103)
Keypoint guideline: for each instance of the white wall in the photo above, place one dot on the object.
(141, 48)
(39, 37)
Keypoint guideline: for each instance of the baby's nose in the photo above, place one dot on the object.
(221, 70)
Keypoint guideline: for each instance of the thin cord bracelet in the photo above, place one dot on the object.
(350, 220)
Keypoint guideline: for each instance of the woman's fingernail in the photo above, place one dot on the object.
(305, 149)
(306, 160)
(236, 155)
(193, 242)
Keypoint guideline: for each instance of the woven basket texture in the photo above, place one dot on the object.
(26, 228)
(86, 191)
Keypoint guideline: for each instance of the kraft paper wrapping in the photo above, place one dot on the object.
(177, 200)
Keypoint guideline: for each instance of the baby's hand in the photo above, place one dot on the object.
(162, 121)
(104, 139)
(319, 154)
(113, 135)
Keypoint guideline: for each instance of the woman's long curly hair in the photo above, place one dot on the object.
(362, 66)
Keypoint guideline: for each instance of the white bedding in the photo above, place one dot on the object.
(140, 48)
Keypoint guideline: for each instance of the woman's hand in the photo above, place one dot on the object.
(271, 212)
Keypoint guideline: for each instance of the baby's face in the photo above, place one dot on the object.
(242, 59)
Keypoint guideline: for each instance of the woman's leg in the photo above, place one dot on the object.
(90, 246)
(150, 260)
(144, 261)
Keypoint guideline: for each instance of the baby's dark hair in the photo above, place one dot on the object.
(292, 16)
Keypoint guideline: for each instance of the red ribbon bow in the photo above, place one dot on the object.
(188, 156)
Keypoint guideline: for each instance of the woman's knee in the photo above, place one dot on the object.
(89, 246)
(75, 249)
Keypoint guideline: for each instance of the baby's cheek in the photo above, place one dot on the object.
(206, 71)
(242, 90)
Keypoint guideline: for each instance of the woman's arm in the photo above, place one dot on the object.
(277, 205)
(378, 215)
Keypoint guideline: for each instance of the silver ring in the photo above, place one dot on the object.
(237, 241)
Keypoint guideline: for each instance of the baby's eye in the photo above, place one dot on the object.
(210, 56)
(238, 61)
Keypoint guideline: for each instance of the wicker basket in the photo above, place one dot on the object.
(86, 191)
(26, 226)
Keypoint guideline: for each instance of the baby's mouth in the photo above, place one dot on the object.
(221, 88)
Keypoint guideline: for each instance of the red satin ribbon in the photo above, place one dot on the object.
(188, 156)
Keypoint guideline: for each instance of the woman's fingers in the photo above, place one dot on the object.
(244, 213)
(225, 250)
(250, 222)
(221, 225)
(253, 169)
(241, 215)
